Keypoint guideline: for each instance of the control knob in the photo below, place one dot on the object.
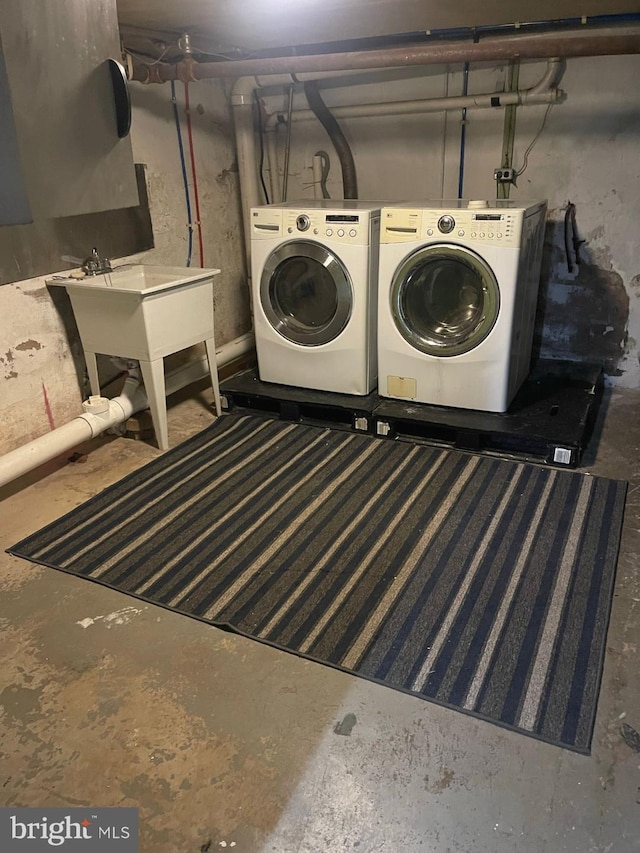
(446, 224)
(303, 222)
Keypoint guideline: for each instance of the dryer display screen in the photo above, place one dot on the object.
(338, 217)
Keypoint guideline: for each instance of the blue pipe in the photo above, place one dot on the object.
(463, 129)
(559, 23)
(184, 171)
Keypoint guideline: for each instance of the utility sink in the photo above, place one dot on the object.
(137, 278)
(144, 312)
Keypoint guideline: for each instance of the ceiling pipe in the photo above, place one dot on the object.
(567, 44)
(545, 91)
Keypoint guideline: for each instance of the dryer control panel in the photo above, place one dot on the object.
(489, 226)
(341, 226)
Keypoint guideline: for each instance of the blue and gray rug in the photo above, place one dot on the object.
(481, 584)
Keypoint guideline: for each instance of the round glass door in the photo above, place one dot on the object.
(444, 300)
(306, 293)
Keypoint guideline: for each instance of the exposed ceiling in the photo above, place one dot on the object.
(247, 26)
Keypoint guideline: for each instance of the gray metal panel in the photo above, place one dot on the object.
(27, 251)
(60, 88)
(12, 183)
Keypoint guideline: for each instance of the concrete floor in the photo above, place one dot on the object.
(222, 742)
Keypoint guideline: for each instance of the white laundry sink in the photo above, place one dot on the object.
(145, 313)
(136, 278)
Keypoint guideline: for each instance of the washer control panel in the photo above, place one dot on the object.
(349, 227)
(490, 226)
(323, 225)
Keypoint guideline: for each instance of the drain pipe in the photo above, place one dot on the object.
(100, 414)
(242, 111)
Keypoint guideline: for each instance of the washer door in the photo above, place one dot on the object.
(444, 299)
(306, 293)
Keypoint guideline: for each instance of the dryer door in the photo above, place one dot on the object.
(444, 299)
(306, 293)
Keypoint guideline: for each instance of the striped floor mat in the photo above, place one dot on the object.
(474, 582)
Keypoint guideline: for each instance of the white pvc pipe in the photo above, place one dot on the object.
(551, 77)
(41, 450)
(317, 166)
(271, 143)
(102, 414)
(242, 109)
(432, 105)
(544, 92)
(195, 370)
(88, 425)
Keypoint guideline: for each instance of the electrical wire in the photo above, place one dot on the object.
(261, 138)
(463, 129)
(570, 224)
(525, 160)
(184, 171)
(287, 150)
(326, 166)
(196, 197)
(146, 57)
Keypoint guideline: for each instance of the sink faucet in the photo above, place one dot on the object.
(94, 264)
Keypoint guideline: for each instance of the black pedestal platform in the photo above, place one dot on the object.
(244, 392)
(549, 422)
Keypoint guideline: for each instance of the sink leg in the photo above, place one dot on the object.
(153, 378)
(92, 370)
(213, 370)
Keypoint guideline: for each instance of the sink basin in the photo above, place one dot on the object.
(145, 313)
(137, 278)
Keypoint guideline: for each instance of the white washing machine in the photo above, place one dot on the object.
(314, 274)
(458, 286)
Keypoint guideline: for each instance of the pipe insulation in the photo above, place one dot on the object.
(102, 414)
(568, 43)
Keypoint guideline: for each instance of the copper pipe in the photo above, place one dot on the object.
(570, 43)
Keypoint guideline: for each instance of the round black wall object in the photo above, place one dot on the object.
(121, 97)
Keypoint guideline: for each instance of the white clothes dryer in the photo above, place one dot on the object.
(458, 286)
(314, 275)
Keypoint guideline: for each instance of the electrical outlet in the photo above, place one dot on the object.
(505, 175)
